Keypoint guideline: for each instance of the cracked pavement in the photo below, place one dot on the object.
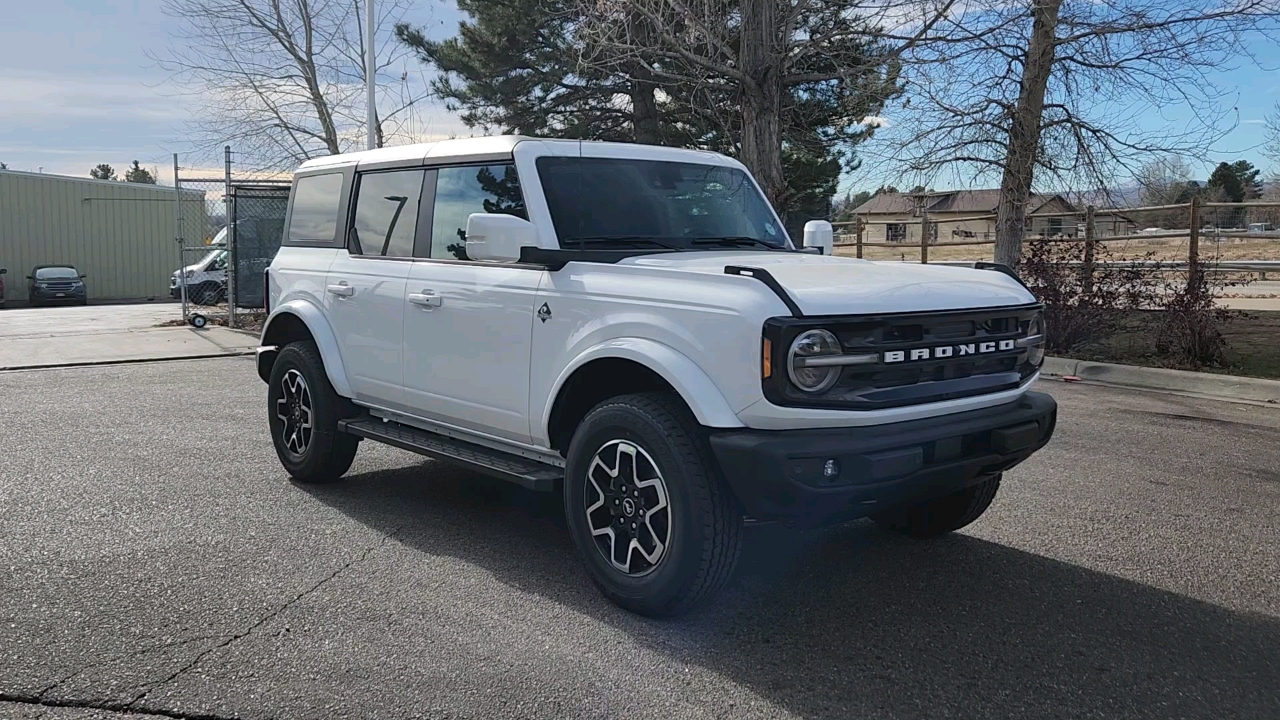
(155, 562)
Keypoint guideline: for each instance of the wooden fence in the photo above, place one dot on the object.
(852, 233)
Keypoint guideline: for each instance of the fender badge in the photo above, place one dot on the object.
(544, 312)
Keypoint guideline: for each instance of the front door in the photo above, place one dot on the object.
(364, 294)
(467, 324)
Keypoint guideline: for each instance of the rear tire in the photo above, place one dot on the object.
(303, 412)
(657, 528)
(941, 515)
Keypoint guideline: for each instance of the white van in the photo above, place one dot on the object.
(206, 280)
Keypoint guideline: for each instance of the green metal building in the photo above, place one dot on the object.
(119, 234)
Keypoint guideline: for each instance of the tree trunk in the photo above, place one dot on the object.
(1024, 133)
(644, 107)
(762, 105)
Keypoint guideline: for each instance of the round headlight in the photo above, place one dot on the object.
(804, 361)
(1035, 353)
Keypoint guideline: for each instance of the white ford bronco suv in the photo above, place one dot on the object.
(632, 326)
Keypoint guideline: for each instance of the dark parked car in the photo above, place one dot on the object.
(56, 283)
(3, 271)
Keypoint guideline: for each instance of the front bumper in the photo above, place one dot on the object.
(779, 474)
(44, 295)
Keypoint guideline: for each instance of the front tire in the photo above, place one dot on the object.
(303, 412)
(941, 515)
(206, 294)
(657, 528)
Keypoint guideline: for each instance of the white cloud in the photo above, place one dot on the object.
(50, 97)
(874, 121)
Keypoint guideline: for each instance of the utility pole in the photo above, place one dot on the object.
(370, 65)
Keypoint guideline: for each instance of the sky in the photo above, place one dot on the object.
(77, 88)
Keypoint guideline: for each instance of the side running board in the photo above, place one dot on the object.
(524, 472)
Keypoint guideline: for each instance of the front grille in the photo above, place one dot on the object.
(918, 357)
(59, 286)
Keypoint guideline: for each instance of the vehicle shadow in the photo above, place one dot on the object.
(856, 622)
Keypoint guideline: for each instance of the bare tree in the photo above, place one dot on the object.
(1272, 147)
(1165, 180)
(1051, 92)
(756, 67)
(283, 80)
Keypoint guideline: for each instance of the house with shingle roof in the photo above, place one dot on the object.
(959, 215)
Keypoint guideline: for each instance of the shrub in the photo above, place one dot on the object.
(1191, 331)
(1082, 308)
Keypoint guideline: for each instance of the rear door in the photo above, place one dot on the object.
(364, 293)
(468, 324)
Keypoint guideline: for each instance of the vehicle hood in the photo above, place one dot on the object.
(826, 285)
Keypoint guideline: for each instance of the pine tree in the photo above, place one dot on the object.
(511, 69)
(102, 171)
(1248, 176)
(518, 66)
(139, 174)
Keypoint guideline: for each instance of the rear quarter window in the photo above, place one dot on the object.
(315, 209)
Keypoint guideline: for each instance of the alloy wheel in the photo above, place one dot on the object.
(294, 410)
(627, 507)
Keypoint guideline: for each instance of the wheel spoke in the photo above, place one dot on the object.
(627, 507)
(293, 409)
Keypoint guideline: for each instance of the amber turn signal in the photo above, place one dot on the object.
(766, 359)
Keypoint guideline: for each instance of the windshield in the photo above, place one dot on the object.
(672, 204)
(219, 254)
(57, 273)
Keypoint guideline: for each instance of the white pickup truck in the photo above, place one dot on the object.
(632, 326)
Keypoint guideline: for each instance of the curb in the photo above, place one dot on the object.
(126, 361)
(1227, 387)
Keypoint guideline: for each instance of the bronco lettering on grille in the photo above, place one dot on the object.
(938, 352)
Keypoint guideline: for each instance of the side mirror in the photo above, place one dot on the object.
(818, 234)
(4, 271)
(83, 276)
(30, 278)
(491, 236)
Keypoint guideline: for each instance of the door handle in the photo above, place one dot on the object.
(342, 290)
(425, 299)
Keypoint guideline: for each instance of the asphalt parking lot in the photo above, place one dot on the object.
(154, 559)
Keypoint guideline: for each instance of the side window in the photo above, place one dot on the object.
(461, 191)
(314, 216)
(386, 214)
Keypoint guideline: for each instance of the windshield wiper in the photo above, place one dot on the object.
(633, 240)
(736, 241)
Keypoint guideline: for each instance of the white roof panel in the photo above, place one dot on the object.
(502, 146)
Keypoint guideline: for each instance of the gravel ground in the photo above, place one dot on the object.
(155, 560)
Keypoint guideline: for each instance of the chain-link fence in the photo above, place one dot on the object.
(228, 231)
(257, 213)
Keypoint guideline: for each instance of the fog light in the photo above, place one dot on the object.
(830, 469)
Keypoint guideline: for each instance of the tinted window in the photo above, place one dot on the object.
(315, 208)
(607, 197)
(461, 191)
(386, 214)
(57, 273)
